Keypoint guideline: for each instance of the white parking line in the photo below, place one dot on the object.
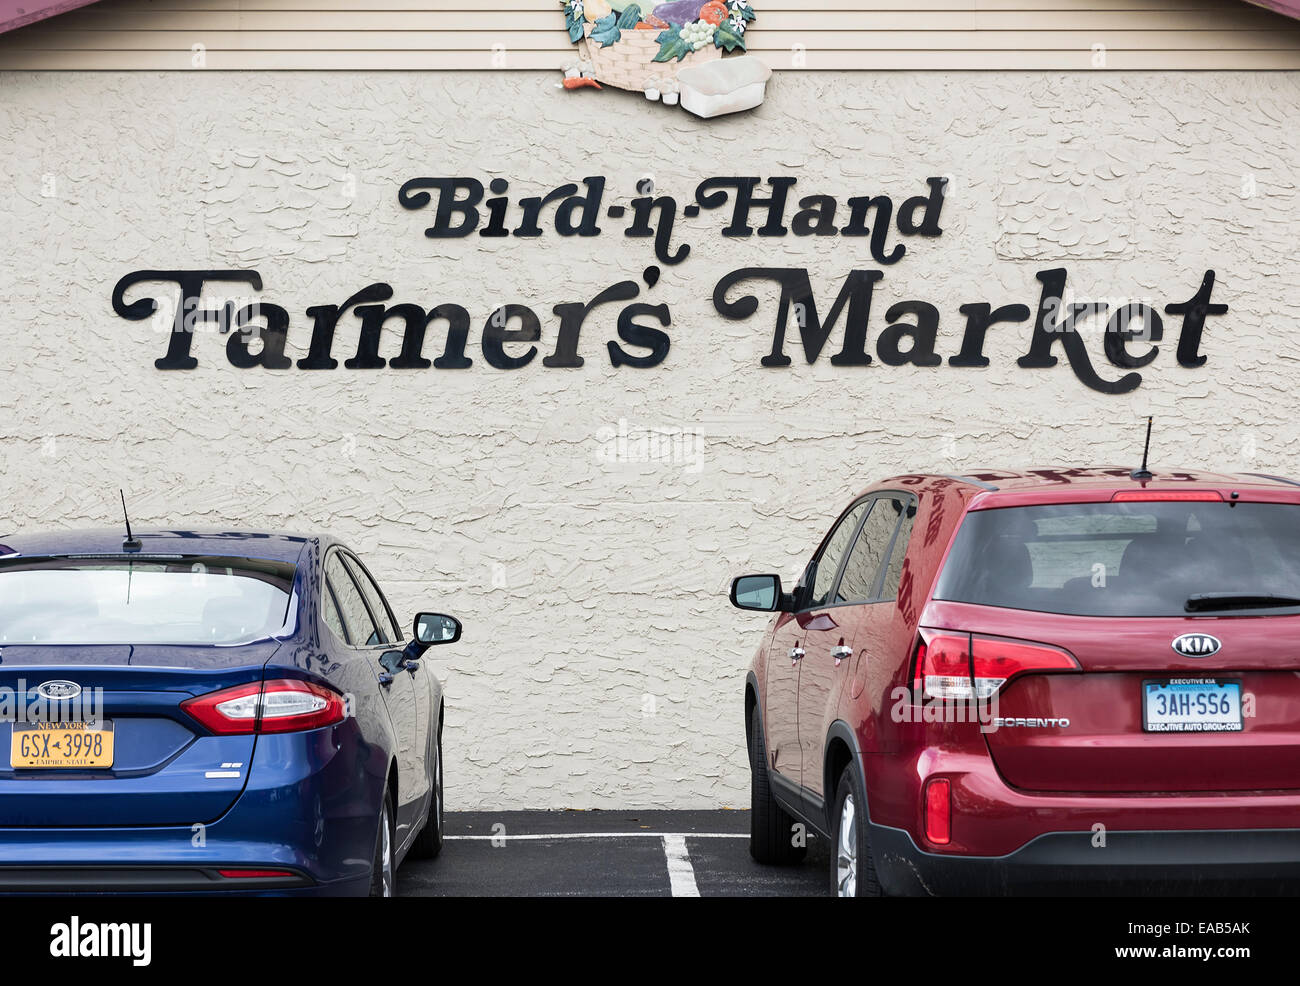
(546, 837)
(681, 875)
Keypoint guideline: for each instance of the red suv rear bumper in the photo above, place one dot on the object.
(1005, 840)
(1057, 863)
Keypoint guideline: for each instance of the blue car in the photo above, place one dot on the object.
(205, 712)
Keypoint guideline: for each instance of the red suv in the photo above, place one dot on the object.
(1051, 679)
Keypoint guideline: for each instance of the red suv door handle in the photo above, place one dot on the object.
(796, 654)
(841, 652)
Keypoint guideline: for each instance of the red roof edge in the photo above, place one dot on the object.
(19, 13)
(1288, 8)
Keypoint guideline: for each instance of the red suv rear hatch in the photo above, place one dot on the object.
(1184, 619)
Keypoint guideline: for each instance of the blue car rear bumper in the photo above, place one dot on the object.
(310, 807)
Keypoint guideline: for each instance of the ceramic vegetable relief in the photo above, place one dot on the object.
(644, 49)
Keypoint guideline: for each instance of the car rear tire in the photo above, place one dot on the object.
(853, 870)
(383, 874)
(772, 832)
(428, 843)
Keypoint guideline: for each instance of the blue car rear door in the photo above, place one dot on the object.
(368, 637)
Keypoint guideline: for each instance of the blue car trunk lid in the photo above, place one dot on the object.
(166, 771)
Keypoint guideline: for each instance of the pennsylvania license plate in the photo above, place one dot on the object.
(62, 745)
(1191, 705)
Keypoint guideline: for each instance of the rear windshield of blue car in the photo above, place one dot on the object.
(1127, 559)
(176, 600)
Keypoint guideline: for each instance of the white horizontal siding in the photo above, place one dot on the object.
(837, 35)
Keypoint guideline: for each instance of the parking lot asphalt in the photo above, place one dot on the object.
(606, 854)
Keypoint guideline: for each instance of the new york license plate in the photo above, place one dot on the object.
(66, 745)
(1191, 705)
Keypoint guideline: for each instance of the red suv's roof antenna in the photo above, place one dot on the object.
(1143, 472)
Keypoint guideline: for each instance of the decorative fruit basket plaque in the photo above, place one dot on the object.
(627, 46)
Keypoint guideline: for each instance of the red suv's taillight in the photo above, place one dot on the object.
(285, 705)
(974, 667)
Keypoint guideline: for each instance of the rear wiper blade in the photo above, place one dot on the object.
(1237, 600)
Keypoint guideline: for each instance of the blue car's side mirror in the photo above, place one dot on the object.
(436, 628)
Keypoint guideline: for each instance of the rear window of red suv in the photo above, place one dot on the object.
(1127, 559)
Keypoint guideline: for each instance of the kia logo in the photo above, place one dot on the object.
(1196, 645)
(58, 690)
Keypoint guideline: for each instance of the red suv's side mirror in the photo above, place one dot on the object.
(758, 592)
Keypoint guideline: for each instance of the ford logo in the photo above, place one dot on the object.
(1196, 645)
(57, 691)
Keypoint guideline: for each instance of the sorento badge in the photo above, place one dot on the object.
(1196, 645)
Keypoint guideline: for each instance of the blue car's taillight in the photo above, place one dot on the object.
(285, 705)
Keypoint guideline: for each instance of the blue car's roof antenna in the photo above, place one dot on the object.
(131, 543)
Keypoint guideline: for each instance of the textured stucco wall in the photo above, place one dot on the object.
(602, 666)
